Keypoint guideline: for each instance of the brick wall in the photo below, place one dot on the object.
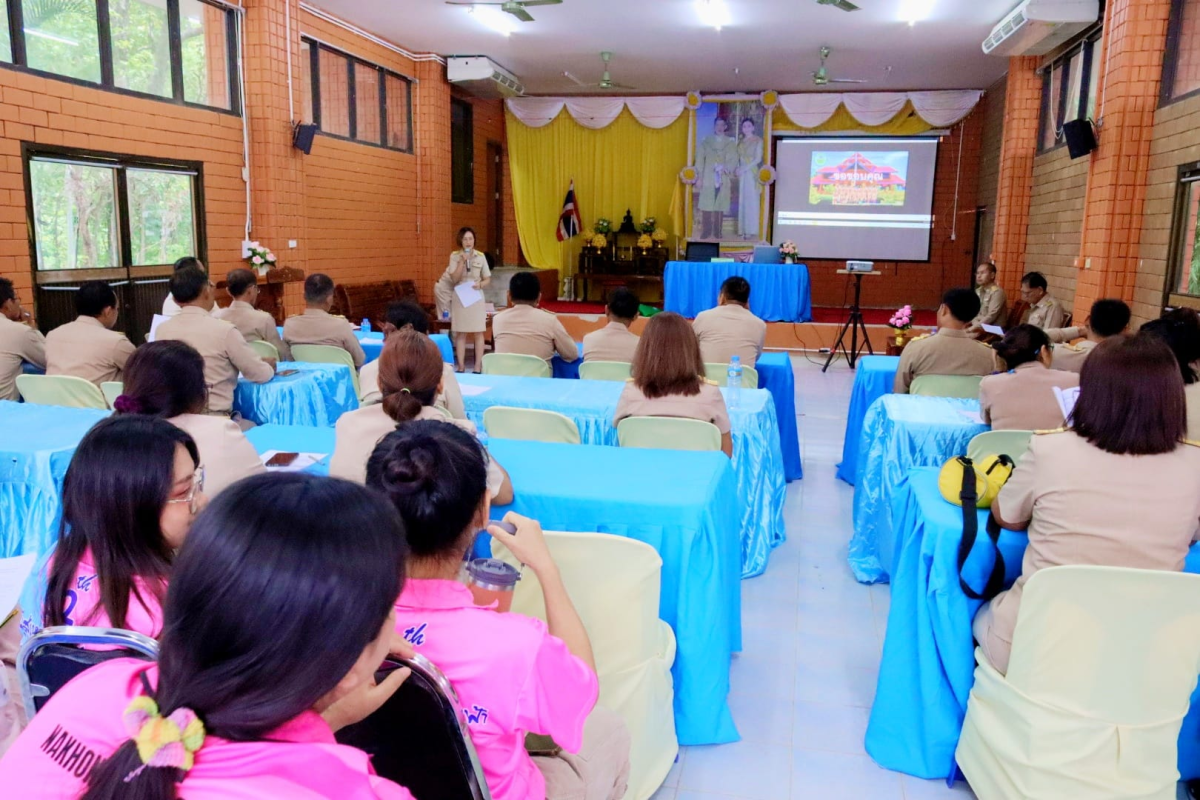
(1056, 220)
(488, 122)
(991, 138)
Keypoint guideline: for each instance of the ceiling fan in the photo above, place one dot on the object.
(606, 81)
(821, 76)
(844, 5)
(514, 7)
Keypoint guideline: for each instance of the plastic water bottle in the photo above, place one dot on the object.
(445, 315)
(733, 383)
(366, 326)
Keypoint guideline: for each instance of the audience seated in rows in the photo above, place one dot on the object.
(1107, 318)
(401, 316)
(1120, 488)
(952, 350)
(1044, 310)
(88, 348)
(317, 326)
(171, 306)
(254, 325)
(1023, 397)
(1180, 329)
(614, 342)
(20, 341)
(993, 302)
(668, 379)
(410, 379)
(532, 677)
(731, 329)
(223, 348)
(526, 329)
(166, 380)
(255, 674)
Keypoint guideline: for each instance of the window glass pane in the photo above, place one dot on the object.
(335, 93)
(306, 84)
(1187, 280)
(462, 177)
(1074, 86)
(141, 47)
(5, 39)
(398, 122)
(366, 103)
(75, 215)
(1093, 98)
(1187, 60)
(61, 37)
(1052, 92)
(203, 33)
(161, 219)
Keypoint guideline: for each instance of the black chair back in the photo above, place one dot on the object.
(48, 660)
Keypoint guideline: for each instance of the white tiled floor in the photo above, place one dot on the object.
(802, 687)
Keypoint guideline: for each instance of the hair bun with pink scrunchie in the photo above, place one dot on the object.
(125, 404)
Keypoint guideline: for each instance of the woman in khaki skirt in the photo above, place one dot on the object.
(467, 266)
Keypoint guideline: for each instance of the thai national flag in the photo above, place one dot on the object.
(569, 222)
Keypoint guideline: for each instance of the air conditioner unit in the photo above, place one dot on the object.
(482, 77)
(1036, 27)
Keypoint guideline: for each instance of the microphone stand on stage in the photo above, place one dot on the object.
(853, 325)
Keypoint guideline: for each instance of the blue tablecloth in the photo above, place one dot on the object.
(873, 377)
(757, 457)
(928, 664)
(442, 340)
(317, 395)
(35, 450)
(899, 432)
(778, 292)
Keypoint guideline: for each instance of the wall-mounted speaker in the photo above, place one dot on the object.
(1080, 136)
(302, 138)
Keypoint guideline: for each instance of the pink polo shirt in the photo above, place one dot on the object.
(82, 725)
(511, 676)
(84, 605)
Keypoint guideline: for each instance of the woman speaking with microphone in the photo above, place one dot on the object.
(467, 266)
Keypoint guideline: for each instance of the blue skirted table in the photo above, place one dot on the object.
(372, 344)
(900, 432)
(757, 457)
(317, 394)
(873, 378)
(778, 292)
(928, 664)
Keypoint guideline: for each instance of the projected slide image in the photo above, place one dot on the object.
(849, 178)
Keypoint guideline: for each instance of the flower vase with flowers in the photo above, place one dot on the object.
(789, 251)
(261, 258)
(901, 321)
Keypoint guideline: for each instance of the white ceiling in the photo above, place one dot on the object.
(660, 46)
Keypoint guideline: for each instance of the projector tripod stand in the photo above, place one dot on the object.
(853, 325)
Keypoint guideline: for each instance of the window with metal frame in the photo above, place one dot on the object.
(349, 98)
(462, 151)
(1069, 85)
(1181, 59)
(1183, 267)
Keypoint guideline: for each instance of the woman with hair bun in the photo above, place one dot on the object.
(410, 380)
(1023, 397)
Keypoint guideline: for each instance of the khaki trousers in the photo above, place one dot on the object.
(12, 712)
(599, 771)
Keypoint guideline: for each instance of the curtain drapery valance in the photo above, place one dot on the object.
(597, 112)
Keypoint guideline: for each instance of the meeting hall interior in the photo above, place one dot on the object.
(582, 400)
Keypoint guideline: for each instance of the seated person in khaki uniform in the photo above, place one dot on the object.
(170, 307)
(1180, 329)
(1023, 398)
(224, 350)
(1108, 318)
(731, 329)
(668, 379)
(1044, 310)
(1121, 488)
(952, 350)
(401, 316)
(88, 348)
(614, 342)
(993, 302)
(525, 328)
(317, 326)
(20, 341)
(252, 324)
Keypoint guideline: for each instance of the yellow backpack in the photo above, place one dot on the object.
(975, 486)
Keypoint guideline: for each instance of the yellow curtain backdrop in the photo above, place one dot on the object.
(623, 166)
(906, 123)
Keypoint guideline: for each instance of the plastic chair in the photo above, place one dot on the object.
(51, 658)
(965, 386)
(668, 433)
(719, 373)
(1104, 661)
(605, 370)
(325, 354)
(614, 585)
(419, 737)
(60, 390)
(530, 425)
(1010, 443)
(111, 391)
(517, 364)
(268, 350)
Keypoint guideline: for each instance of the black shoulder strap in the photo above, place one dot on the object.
(970, 532)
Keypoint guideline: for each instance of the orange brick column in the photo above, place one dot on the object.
(1133, 44)
(1022, 106)
(431, 121)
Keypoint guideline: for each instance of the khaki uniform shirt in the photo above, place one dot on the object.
(224, 350)
(1191, 393)
(450, 399)
(171, 308)
(727, 331)
(708, 406)
(1070, 357)
(86, 349)
(948, 352)
(613, 342)
(1047, 313)
(19, 343)
(1089, 506)
(225, 453)
(993, 302)
(315, 326)
(255, 326)
(531, 331)
(1023, 399)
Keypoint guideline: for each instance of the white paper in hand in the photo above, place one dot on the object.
(1066, 401)
(468, 295)
(159, 319)
(995, 330)
(13, 574)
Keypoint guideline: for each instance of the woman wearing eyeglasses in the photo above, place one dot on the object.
(129, 497)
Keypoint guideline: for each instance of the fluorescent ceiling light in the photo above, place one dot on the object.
(51, 37)
(713, 13)
(493, 19)
(913, 11)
